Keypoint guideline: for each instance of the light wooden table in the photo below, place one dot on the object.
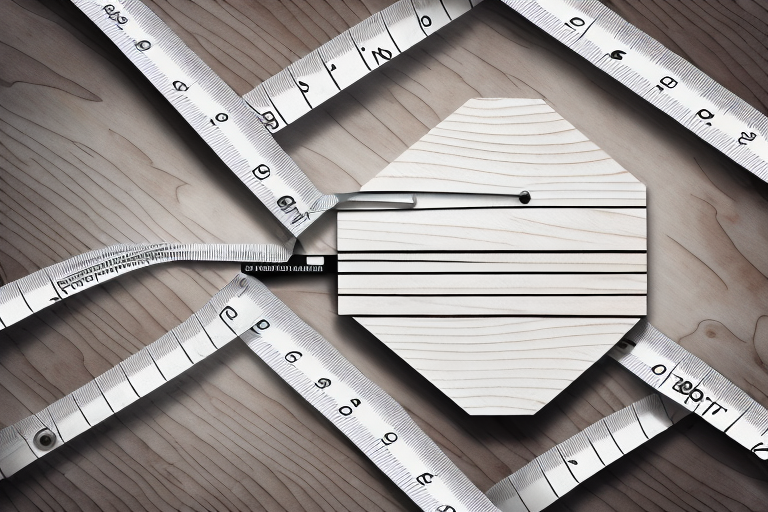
(92, 155)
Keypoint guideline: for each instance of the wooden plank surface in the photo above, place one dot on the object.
(509, 368)
(491, 229)
(492, 284)
(576, 262)
(91, 155)
(487, 145)
(490, 305)
(505, 146)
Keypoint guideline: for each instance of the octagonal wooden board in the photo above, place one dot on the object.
(500, 308)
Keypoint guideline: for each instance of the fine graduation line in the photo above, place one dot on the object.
(373, 420)
(726, 121)
(646, 347)
(579, 38)
(30, 294)
(653, 414)
(615, 46)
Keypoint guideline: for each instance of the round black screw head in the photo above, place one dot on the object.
(44, 440)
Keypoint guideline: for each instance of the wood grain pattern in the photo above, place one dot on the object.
(566, 229)
(510, 305)
(515, 145)
(507, 146)
(508, 368)
(494, 262)
(92, 156)
(494, 284)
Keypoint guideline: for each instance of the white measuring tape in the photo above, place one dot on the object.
(560, 469)
(692, 383)
(234, 128)
(656, 74)
(21, 298)
(678, 375)
(211, 107)
(49, 285)
(350, 56)
(228, 126)
(588, 27)
(366, 414)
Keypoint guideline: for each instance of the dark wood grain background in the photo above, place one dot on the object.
(92, 155)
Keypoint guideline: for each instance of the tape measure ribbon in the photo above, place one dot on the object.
(690, 382)
(365, 413)
(334, 66)
(30, 294)
(656, 74)
(221, 117)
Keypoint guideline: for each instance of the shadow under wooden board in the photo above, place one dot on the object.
(92, 156)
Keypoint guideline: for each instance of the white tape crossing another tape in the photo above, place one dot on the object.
(30, 294)
(230, 312)
(226, 123)
(364, 412)
(692, 383)
(588, 27)
(686, 385)
(348, 57)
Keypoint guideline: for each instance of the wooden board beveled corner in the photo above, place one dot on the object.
(500, 308)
